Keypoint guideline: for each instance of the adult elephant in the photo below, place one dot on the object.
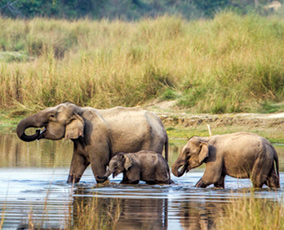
(240, 155)
(97, 134)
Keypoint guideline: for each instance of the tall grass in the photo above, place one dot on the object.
(83, 213)
(251, 214)
(89, 216)
(228, 64)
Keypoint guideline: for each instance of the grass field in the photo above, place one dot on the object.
(227, 64)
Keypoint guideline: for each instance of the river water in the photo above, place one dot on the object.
(34, 192)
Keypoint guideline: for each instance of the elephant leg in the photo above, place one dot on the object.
(98, 169)
(124, 179)
(201, 184)
(78, 165)
(220, 183)
(212, 175)
(273, 179)
(259, 173)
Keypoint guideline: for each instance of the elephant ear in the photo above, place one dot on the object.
(128, 162)
(75, 127)
(204, 152)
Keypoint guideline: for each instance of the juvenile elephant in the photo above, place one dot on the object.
(144, 165)
(240, 155)
(97, 134)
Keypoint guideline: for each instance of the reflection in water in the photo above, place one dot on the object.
(46, 153)
(43, 153)
(149, 213)
(128, 212)
(31, 196)
(34, 191)
(35, 196)
(179, 206)
(197, 215)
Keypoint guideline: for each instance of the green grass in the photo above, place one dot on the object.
(230, 63)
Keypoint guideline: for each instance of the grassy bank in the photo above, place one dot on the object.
(228, 64)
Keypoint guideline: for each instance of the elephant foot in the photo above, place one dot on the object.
(101, 179)
(200, 184)
(220, 184)
(72, 179)
(129, 182)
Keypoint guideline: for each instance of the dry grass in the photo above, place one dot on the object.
(228, 64)
(85, 213)
(88, 216)
(252, 214)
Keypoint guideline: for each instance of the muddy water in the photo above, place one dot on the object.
(34, 192)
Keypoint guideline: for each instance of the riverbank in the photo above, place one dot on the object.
(180, 124)
(270, 126)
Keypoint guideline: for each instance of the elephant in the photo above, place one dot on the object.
(144, 165)
(97, 133)
(239, 155)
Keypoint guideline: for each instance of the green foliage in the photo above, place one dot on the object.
(128, 9)
(268, 106)
(169, 94)
(231, 63)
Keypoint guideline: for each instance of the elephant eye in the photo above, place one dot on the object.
(52, 116)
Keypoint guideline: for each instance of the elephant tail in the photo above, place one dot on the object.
(166, 148)
(277, 167)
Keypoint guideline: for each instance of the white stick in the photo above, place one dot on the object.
(209, 130)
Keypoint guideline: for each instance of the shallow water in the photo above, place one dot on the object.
(34, 190)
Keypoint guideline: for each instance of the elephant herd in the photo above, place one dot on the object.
(131, 141)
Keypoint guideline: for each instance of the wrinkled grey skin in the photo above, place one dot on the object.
(144, 165)
(97, 134)
(239, 155)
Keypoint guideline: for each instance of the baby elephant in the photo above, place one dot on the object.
(144, 165)
(239, 155)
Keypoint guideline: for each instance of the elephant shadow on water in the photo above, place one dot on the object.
(146, 213)
(196, 215)
(120, 213)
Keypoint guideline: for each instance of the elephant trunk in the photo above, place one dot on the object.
(176, 166)
(30, 122)
(103, 178)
